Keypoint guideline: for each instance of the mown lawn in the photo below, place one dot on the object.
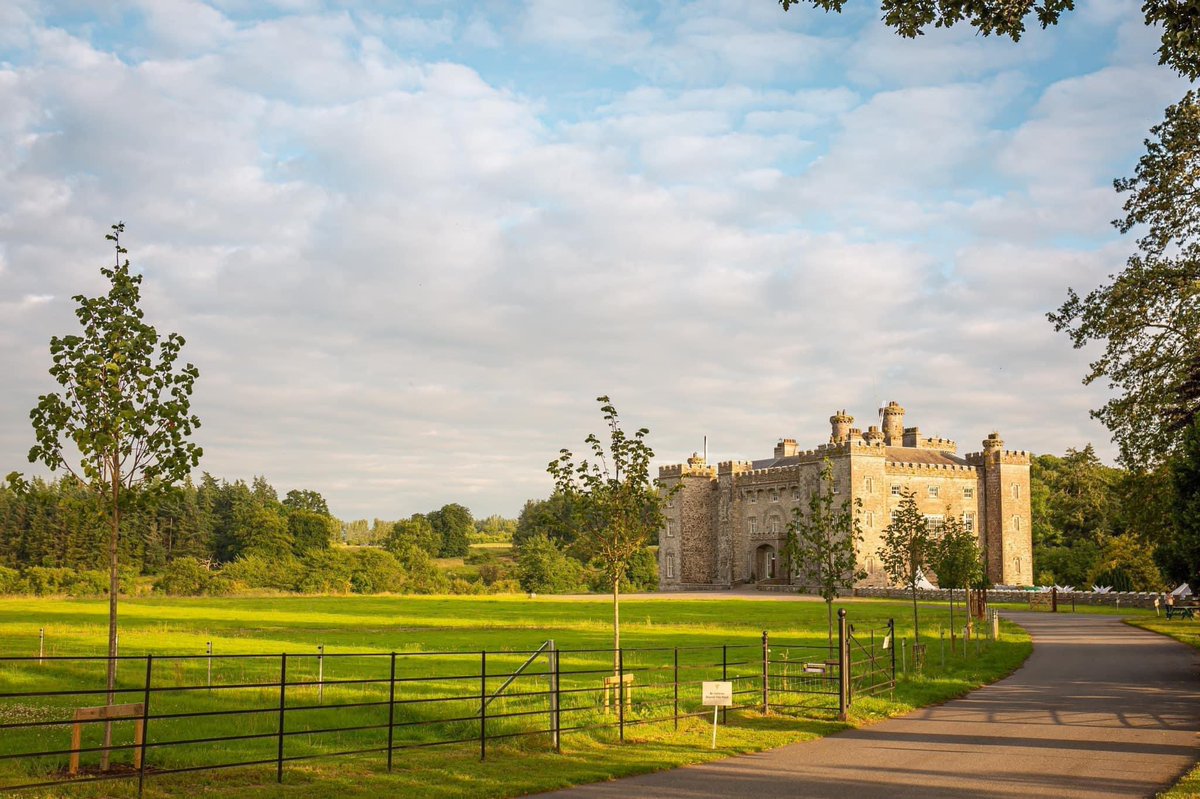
(505, 626)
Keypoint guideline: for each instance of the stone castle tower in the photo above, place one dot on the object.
(727, 524)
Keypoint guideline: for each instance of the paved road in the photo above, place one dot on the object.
(1100, 709)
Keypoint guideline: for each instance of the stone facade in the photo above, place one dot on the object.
(727, 524)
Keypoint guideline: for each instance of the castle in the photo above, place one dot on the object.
(727, 524)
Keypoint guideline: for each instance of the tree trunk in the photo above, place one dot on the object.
(952, 628)
(616, 626)
(916, 622)
(113, 586)
(829, 607)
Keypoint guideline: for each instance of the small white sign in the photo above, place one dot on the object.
(717, 694)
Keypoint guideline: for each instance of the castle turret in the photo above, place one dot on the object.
(1005, 508)
(893, 425)
(841, 422)
(873, 435)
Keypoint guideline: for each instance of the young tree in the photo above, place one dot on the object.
(123, 414)
(955, 557)
(619, 508)
(822, 545)
(906, 549)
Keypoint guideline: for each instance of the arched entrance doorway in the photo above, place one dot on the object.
(764, 562)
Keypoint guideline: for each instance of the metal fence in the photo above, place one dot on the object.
(173, 714)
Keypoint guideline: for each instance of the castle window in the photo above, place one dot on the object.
(796, 493)
(1016, 523)
(934, 491)
(969, 522)
(670, 528)
(1017, 564)
(774, 494)
(870, 519)
(753, 496)
(935, 522)
(837, 489)
(670, 565)
(895, 489)
(753, 525)
(774, 524)
(1016, 490)
(968, 492)
(869, 485)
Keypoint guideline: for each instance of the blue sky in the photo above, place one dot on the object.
(409, 244)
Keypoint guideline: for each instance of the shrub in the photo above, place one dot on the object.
(45, 580)
(260, 571)
(326, 572)
(88, 583)
(543, 568)
(11, 582)
(375, 571)
(421, 573)
(184, 577)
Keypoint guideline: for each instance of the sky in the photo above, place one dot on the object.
(409, 244)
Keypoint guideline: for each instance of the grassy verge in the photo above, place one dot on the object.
(500, 625)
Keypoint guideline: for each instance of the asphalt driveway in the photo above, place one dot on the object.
(1100, 709)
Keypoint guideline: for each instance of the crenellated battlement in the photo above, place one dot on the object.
(677, 470)
(730, 537)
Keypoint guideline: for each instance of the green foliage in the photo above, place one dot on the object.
(454, 524)
(620, 511)
(376, 571)
(329, 571)
(618, 507)
(493, 530)
(1074, 498)
(310, 530)
(1149, 314)
(1180, 24)
(557, 518)
(1073, 565)
(642, 573)
(542, 568)
(255, 570)
(418, 532)
(190, 577)
(305, 500)
(357, 533)
(1184, 551)
(907, 546)
(821, 549)
(10, 581)
(422, 573)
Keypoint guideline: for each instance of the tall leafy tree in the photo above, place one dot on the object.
(304, 499)
(1148, 315)
(619, 507)
(956, 560)
(907, 546)
(1184, 555)
(454, 524)
(1180, 24)
(822, 545)
(122, 419)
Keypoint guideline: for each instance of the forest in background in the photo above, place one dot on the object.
(1092, 524)
(216, 537)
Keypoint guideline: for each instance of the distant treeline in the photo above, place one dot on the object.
(220, 537)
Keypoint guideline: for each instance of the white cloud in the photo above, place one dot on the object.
(405, 279)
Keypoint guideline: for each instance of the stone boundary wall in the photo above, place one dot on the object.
(1111, 599)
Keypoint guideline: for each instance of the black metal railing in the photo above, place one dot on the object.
(208, 712)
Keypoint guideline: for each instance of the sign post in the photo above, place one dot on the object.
(719, 694)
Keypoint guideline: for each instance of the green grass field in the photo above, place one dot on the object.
(460, 627)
